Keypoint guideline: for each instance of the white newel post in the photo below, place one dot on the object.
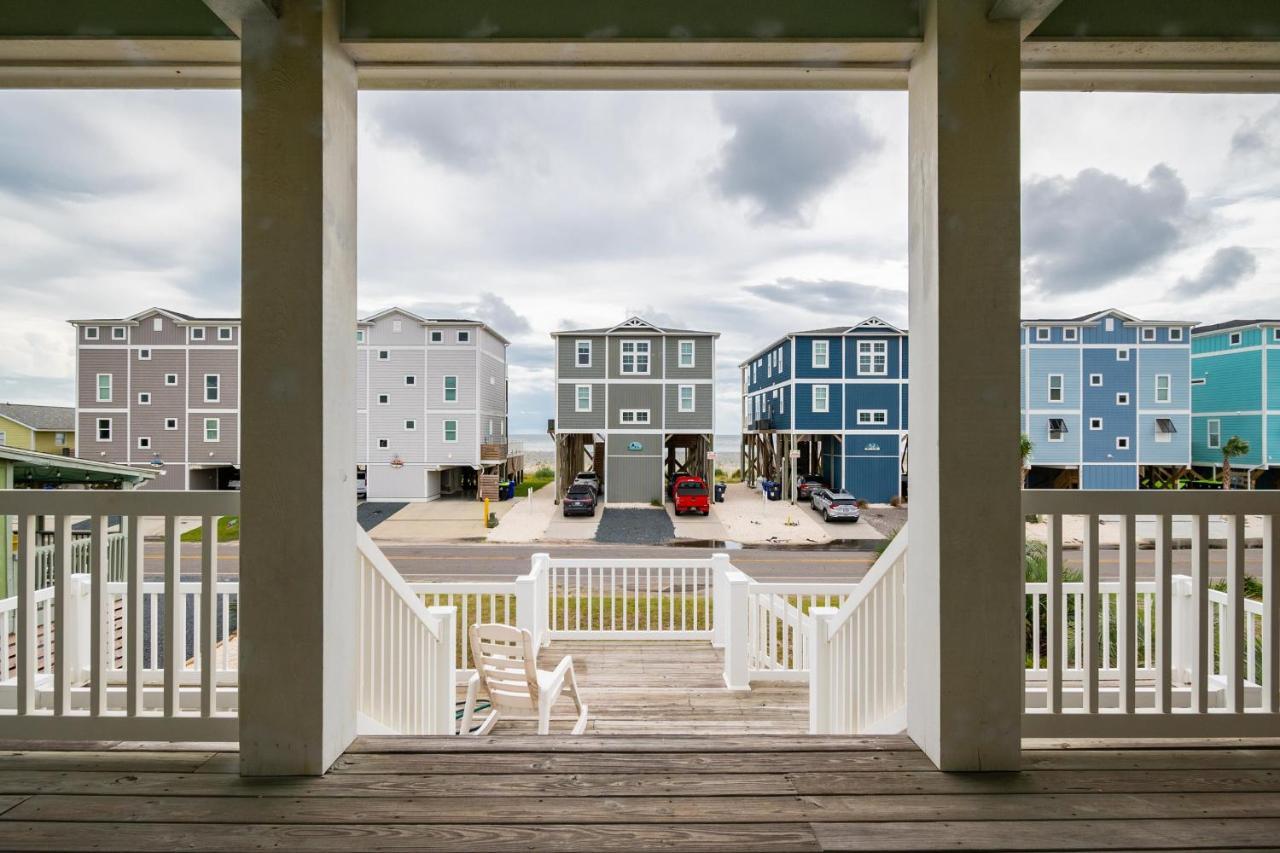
(446, 671)
(965, 580)
(531, 605)
(298, 667)
(1181, 619)
(720, 567)
(820, 681)
(735, 630)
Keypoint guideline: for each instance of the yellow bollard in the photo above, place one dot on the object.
(486, 512)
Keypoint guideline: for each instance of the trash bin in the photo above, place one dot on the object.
(720, 487)
(506, 490)
(774, 490)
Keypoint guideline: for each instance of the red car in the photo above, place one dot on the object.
(691, 493)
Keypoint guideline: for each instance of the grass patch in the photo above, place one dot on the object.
(533, 482)
(228, 530)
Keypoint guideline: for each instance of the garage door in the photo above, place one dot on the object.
(874, 479)
(633, 468)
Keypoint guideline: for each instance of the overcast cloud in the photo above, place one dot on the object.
(751, 214)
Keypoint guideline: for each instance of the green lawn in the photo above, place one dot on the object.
(228, 530)
(533, 482)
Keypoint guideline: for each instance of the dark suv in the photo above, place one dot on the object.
(805, 486)
(579, 500)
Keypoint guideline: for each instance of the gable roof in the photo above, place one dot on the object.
(176, 316)
(869, 324)
(633, 324)
(1128, 319)
(1232, 324)
(41, 418)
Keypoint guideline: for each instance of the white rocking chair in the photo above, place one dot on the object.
(506, 663)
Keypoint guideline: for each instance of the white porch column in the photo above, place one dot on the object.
(297, 553)
(964, 571)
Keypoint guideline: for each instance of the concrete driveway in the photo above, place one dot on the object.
(444, 520)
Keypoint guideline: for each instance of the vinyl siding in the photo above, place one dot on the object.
(451, 335)
(635, 396)
(569, 419)
(493, 385)
(874, 479)
(382, 331)
(1248, 427)
(871, 396)
(463, 452)
(1042, 362)
(46, 443)
(1273, 378)
(406, 402)
(1233, 382)
(16, 435)
(104, 451)
(1176, 452)
(211, 336)
(1273, 439)
(170, 334)
(699, 420)
(807, 419)
(1176, 363)
(1221, 341)
(1109, 477)
(894, 351)
(633, 476)
(703, 358)
(566, 349)
(1096, 332)
(225, 451)
(411, 481)
(362, 378)
(451, 362)
(221, 362)
(1046, 452)
(95, 361)
(615, 356)
(804, 357)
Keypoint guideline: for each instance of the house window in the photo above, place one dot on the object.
(212, 391)
(359, 336)
(1095, 379)
(1057, 429)
(104, 387)
(873, 358)
(1122, 398)
(410, 379)
(582, 398)
(1214, 433)
(197, 333)
(464, 337)
(1165, 430)
(144, 355)
(411, 425)
(171, 379)
(383, 443)
(396, 326)
(873, 416)
(144, 442)
(437, 337)
(821, 398)
(1042, 333)
(384, 399)
(582, 354)
(1164, 388)
(224, 333)
(1095, 424)
(635, 357)
(686, 354)
(144, 398)
(1122, 355)
(1109, 324)
(212, 429)
(157, 324)
(1148, 333)
(1275, 334)
(821, 354)
(686, 398)
(1071, 333)
(634, 416)
(1175, 334)
(451, 389)
(1200, 381)
(170, 423)
(1122, 442)
(384, 355)
(117, 333)
(3, 438)
(1055, 387)
(450, 431)
(104, 429)
(90, 333)
(59, 439)
(1235, 339)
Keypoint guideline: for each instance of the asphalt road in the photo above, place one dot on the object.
(477, 562)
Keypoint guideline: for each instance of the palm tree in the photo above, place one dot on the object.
(1235, 446)
(1024, 448)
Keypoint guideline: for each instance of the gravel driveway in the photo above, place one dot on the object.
(635, 527)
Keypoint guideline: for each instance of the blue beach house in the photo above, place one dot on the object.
(1235, 391)
(1106, 400)
(835, 400)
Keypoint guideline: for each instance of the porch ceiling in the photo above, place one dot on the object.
(1157, 45)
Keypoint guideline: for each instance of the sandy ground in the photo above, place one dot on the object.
(445, 520)
(538, 519)
(750, 520)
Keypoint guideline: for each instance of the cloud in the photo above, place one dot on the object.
(1258, 136)
(1082, 233)
(1225, 269)
(787, 150)
(489, 308)
(662, 319)
(839, 300)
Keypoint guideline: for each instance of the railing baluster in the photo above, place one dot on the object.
(1164, 603)
(1056, 626)
(64, 630)
(208, 611)
(1089, 634)
(1200, 660)
(26, 613)
(1234, 628)
(133, 617)
(1126, 617)
(1270, 616)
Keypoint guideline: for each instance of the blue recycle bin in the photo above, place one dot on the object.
(506, 490)
(773, 489)
(720, 487)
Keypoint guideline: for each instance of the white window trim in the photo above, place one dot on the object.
(577, 353)
(1168, 390)
(1095, 380)
(1095, 424)
(693, 353)
(1062, 434)
(123, 335)
(636, 414)
(145, 438)
(217, 430)
(97, 430)
(826, 398)
(1122, 354)
(1043, 333)
(693, 398)
(381, 401)
(141, 395)
(411, 379)
(1234, 339)
(173, 421)
(1062, 388)
(1122, 442)
(157, 324)
(195, 333)
(410, 425)
(1212, 426)
(1275, 334)
(91, 333)
(1175, 333)
(826, 354)
(225, 333)
(397, 326)
(872, 350)
(1109, 324)
(110, 388)
(217, 397)
(577, 398)
(384, 444)
(1125, 395)
(464, 336)
(384, 355)
(172, 376)
(1148, 334)
(144, 354)
(444, 431)
(444, 389)
(635, 354)
(1070, 333)
(359, 336)
(873, 417)
(437, 336)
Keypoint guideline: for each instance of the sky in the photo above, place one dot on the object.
(750, 214)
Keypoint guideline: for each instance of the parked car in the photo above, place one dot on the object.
(362, 489)
(691, 494)
(579, 500)
(805, 486)
(837, 506)
(815, 494)
(587, 478)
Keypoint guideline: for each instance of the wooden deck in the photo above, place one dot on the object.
(635, 793)
(663, 687)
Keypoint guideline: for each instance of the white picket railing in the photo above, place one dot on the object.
(637, 599)
(858, 667)
(1167, 658)
(91, 657)
(407, 653)
(778, 626)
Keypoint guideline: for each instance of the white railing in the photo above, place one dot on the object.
(407, 653)
(89, 657)
(632, 599)
(81, 557)
(778, 626)
(1170, 657)
(858, 669)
